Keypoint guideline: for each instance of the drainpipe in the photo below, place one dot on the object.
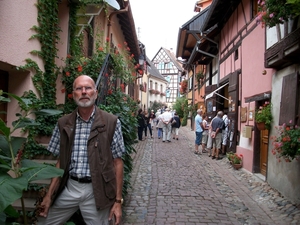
(193, 97)
(112, 14)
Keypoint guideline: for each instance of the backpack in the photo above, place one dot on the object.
(224, 125)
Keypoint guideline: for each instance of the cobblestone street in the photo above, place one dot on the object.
(172, 185)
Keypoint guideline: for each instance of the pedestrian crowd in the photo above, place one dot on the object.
(211, 135)
(165, 121)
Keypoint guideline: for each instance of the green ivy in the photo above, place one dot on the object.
(44, 80)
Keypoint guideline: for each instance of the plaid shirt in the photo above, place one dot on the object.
(79, 165)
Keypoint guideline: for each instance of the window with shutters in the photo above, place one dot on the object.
(289, 105)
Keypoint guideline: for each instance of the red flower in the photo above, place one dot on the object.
(125, 43)
(79, 68)
(109, 92)
(122, 86)
(106, 74)
(63, 90)
(119, 46)
(107, 39)
(69, 56)
(116, 52)
(128, 49)
(67, 74)
(100, 49)
(70, 96)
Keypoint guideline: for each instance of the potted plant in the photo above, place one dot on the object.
(272, 12)
(16, 171)
(286, 143)
(235, 159)
(141, 87)
(200, 76)
(263, 117)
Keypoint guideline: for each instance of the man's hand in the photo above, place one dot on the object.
(116, 211)
(45, 205)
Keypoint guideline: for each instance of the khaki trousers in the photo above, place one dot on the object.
(75, 196)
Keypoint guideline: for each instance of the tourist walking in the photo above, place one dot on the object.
(216, 135)
(198, 131)
(148, 125)
(152, 119)
(159, 126)
(175, 126)
(166, 118)
(205, 133)
(141, 124)
(225, 133)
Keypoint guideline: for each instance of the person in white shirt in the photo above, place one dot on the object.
(225, 133)
(167, 127)
(159, 126)
(205, 133)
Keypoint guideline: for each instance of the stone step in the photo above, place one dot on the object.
(45, 161)
(29, 204)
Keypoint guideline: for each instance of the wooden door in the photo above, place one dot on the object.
(264, 142)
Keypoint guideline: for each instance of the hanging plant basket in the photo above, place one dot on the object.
(261, 126)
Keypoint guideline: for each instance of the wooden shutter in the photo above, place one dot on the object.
(289, 105)
(233, 93)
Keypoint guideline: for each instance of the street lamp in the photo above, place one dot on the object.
(113, 3)
(141, 61)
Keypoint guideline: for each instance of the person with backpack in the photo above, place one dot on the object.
(216, 135)
(225, 133)
(175, 126)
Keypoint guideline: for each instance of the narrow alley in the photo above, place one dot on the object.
(172, 185)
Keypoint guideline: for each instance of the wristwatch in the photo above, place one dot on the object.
(119, 200)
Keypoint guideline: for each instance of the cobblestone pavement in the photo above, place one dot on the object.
(172, 185)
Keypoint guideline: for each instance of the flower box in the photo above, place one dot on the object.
(152, 91)
(264, 115)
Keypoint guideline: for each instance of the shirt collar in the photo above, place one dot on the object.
(91, 116)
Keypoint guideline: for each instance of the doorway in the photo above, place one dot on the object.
(3, 87)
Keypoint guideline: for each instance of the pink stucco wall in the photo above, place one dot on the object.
(251, 63)
(62, 47)
(15, 33)
(17, 20)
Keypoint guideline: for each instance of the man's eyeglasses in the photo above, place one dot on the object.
(80, 89)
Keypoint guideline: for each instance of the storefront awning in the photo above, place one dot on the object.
(214, 92)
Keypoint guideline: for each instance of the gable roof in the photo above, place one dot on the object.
(171, 56)
(128, 27)
(153, 71)
(189, 33)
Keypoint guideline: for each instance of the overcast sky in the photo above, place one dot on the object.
(159, 22)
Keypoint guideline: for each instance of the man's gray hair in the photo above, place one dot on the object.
(220, 114)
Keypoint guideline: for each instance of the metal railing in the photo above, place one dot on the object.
(102, 83)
